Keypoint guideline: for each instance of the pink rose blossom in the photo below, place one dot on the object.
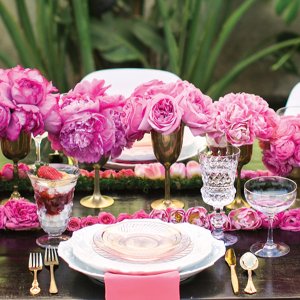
(4, 119)
(125, 173)
(106, 218)
(2, 217)
(175, 215)
(160, 214)
(245, 218)
(141, 214)
(265, 219)
(108, 174)
(21, 214)
(123, 216)
(177, 170)
(93, 89)
(291, 220)
(89, 220)
(7, 171)
(192, 169)
(84, 173)
(252, 174)
(151, 171)
(74, 224)
(198, 216)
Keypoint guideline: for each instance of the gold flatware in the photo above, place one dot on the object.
(51, 259)
(249, 262)
(231, 261)
(35, 264)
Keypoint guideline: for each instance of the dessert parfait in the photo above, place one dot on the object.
(53, 186)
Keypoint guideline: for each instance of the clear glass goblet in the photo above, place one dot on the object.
(54, 199)
(270, 195)
(218, 170)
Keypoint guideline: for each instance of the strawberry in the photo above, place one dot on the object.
(49, 173)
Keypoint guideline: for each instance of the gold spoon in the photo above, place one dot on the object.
(231, 261)
(249, 262)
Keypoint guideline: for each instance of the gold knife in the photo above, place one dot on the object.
(231, 261)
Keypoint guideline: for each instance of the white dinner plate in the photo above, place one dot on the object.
(82, 242)
(65, 251)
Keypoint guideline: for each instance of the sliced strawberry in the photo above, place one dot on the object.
(49, 173)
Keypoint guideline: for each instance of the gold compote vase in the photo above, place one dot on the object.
(245, 157)
(167, 148)
(97, 200)
(16, 150)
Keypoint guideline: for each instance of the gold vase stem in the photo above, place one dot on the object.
(167, 199)
(97, 193)
(15, 193)
(238, 186)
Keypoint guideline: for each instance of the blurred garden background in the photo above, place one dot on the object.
(220, 46)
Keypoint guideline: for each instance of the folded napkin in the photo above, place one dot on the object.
(137, 287)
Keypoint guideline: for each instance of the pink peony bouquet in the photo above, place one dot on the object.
(27, 103)
(92, 124)
(282, 153)
(243, 117)
(162, 107)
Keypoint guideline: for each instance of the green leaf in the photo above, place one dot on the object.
(281, 5)
(291, 11)
(6, 60)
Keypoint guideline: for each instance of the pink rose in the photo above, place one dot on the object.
(141, 214)
(2, 217)
(284, 148)
(106, 218)
(108, 174)
(125, 173)
(7, 171)
(4, 119)
(74, 224)
(93, 89)
(88, 221)
(177, 170)
(151, 171)
(198, 216)
(192, 169)
(84, 173)
(123, 216)
(245, 218)
(162, 114)
(291, 220)
(160, 214)
(265, 220)
(175, 215)
(21, 214)
(198, 110)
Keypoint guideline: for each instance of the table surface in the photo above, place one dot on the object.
(274, 279)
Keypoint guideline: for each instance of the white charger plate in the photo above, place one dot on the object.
(65, 251)
(82, 243)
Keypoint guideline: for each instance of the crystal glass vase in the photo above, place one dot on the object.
(16, 150)
(97, 200)
(167, 148)
(218, 171)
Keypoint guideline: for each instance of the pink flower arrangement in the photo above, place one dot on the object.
(92, 125)
(162, 107)
(243, 117)
(27, 103)
(74, 224)
(20, 214)
(2, 217)
(282, 153)
(7, 171)
(106, 218)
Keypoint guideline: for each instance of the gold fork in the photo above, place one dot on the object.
(35, 264)
(51, 259)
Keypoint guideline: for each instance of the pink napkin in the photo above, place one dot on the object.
(147, 287)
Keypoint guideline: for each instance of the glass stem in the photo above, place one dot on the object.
(217, 222)
(96, 193)
(167, 200)
(270, 243)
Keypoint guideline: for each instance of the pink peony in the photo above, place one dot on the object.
(88, 221)
(192, 169)
(74, 224)
(141, 214)
(21, 214)
(177, 170)
(27, 103)
(125, 173)
(265, 220)
(198, 216)
(290, 220)
(123, 216)
(151, 171)
(245, 218)
(7, 172)
(160, 214)
(175, 215)
(2, 217)
(106, 218)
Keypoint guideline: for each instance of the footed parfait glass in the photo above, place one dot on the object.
(54, 199)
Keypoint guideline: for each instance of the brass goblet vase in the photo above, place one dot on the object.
(16, 150)
(97, 200)
(167, 148)
(245, 157)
